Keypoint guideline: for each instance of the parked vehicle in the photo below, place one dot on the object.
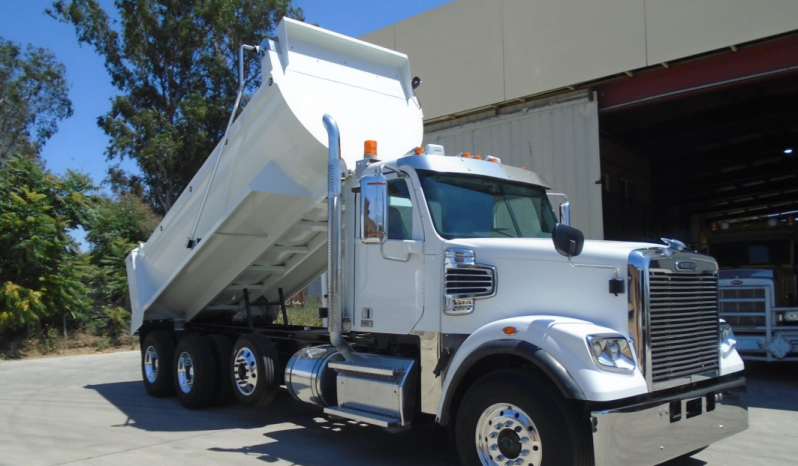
(758, 283)
(455, 293)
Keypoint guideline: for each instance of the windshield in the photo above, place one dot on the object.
(474, 207)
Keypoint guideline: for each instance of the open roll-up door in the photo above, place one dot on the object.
(559, 140)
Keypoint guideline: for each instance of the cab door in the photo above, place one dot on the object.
(389, 276)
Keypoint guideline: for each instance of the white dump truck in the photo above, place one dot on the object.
(455, 293)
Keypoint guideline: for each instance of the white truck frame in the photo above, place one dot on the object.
(454, 294)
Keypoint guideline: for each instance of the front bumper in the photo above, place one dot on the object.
(653, 432)
(781, 346)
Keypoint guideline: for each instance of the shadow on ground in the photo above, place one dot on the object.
(300, 434)
(168, 415)
(324, 442)
(295, 432)
(772, 385)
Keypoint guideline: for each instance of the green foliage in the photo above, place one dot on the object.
(41, 272)
(104, 342)
(113, 228)
(33, 98)
(174, 63)
(50, 340)
(307, 315)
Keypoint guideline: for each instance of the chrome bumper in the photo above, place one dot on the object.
(653, 432)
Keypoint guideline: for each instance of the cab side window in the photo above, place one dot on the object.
(400, 210)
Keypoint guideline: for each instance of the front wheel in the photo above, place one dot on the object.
(511, 417)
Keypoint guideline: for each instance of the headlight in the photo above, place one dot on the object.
(727, 340)
(611, 352)
(791, 316)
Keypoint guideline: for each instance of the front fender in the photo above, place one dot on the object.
(556, 345)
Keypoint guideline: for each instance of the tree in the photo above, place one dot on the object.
(41, 272)
(114, 226)
(175, 64)
(33, 98)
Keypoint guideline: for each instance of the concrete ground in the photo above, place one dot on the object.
(92, 410)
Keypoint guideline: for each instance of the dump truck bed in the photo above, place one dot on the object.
(264, 224)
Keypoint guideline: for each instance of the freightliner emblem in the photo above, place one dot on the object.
(686, 265)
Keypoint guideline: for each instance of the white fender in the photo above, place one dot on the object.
(565, 340)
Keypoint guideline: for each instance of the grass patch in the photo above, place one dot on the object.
(307, 315)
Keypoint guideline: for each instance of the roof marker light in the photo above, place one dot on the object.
(477, 157)
(466, 155)
(493, 159)
(510, 330)
(418, 150)
(788, 151)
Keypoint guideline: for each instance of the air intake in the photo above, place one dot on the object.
(465, 281)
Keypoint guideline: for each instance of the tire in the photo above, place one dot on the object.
(194, 372)
(539, 427)
(157, 352)
(222, 349)
(255, 370)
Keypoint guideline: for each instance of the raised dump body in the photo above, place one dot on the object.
(264, 224)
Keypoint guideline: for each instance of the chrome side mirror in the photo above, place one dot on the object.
(567, 241)
(373, 209)
(565, 213)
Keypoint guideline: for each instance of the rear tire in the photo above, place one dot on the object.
(222, 350)
(194, 372)
(536, 425)
(157, 353)
(255, 370)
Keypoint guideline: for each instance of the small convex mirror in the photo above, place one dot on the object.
(373, 209)
(565, 213)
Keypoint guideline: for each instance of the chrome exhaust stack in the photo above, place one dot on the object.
(334, 275)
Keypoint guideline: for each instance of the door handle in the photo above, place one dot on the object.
(412, 247)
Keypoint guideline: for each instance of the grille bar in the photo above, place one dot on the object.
(683, 324)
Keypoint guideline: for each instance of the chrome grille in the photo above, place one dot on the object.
(744, 307)
(683, 324)
(469, 282)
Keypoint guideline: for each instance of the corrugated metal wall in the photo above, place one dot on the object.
(559, 141)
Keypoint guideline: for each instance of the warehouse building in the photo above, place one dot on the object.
(656, 117)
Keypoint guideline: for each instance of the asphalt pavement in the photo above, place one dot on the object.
(93, 410)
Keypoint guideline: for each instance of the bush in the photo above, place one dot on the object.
(104, 342)
(50, 340)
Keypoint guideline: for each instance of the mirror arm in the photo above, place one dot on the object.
(398, 172)
(595, 266)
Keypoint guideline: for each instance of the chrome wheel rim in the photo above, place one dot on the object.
(245, 371)
(151, 364)
(185, 372)
(506, 436)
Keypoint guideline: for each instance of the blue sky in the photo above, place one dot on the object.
(79, 143)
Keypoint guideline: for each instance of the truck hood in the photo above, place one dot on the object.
(534, 279)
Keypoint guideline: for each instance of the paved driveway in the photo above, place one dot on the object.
(92, 410)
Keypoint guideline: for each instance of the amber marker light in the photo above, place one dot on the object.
(510, 330)
(419, 150)
(466, 155)
(493, 159)
(370, 148)
(477, 157)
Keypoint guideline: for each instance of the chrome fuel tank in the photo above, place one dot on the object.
(309, 378)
